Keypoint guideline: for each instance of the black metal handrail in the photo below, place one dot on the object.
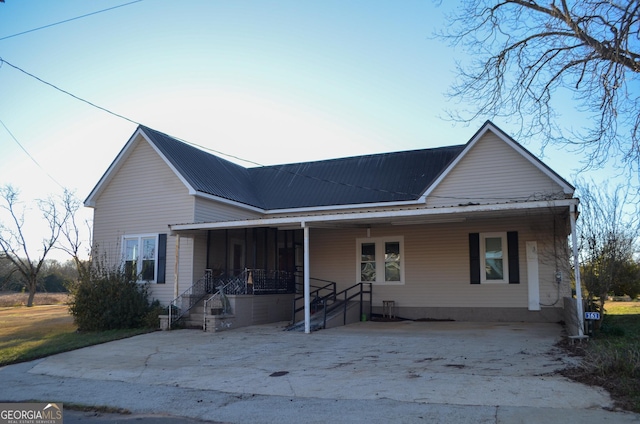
(344, 296)
(361, 292)
(316, 297)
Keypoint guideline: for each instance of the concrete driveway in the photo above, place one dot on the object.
(366, 372)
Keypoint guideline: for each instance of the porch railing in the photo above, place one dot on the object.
(247, 281)
(190, 297)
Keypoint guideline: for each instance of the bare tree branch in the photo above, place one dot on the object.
(523, 53)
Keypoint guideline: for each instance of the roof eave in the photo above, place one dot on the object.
(318, 220)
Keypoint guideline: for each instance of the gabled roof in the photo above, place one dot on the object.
(387, 178)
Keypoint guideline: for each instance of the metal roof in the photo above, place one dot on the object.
(377, 178)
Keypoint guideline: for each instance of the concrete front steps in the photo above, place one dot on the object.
(246, 310)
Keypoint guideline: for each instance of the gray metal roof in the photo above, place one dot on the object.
(378, 178)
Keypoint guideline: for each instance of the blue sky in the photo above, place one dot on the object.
(268, 81)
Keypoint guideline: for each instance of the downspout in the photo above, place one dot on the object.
(573, 214)
(307, 297)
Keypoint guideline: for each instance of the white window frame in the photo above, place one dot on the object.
(380, 258)
(140, 238)
(483, 258)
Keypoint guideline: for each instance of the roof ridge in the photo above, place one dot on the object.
(355, 157)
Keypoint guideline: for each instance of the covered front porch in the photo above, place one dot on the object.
(430, 245)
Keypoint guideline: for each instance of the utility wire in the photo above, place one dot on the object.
(29, 154)
(67, 93)
(69, 20)
(277, 168)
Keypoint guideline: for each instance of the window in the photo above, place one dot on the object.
(140, 257)
(380, 260)
(494, 258)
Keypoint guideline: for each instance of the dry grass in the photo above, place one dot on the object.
(39, 331)
(9, 299)
(25, 329)
(622, 308)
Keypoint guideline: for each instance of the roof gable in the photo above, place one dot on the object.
(509, 173)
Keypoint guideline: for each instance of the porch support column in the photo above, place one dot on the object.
(573, 214)
(307, 296)
(176, 289)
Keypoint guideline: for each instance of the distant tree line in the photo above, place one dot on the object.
(54, 276)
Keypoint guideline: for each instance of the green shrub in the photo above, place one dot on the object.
(108, 299)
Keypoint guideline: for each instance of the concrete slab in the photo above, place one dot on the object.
(372, 372)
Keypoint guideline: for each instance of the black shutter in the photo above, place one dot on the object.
(514, 260)
(162, 259)
(474, 257)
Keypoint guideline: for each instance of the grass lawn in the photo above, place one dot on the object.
(31, 333)
(612, 358)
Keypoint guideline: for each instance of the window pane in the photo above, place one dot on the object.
(392, 261)
(131, 249)
(148, 259)
(368, 252)
(131, 270)
(392, 251)
(131, 258)
(368, 262)
(368, 271)
(493, 259)
(392, 271)
(149, 248)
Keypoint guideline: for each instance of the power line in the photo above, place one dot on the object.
(29, 154)
(68, 93)
(69, 20)
(277, 168)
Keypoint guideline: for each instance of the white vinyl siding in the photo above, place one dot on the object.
(505, 176)
(143, 197)
(207, 210)
(436, 264)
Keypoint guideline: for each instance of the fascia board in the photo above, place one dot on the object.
(355, 216)
(344, 207)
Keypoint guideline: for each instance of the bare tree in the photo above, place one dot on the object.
(73, 241)
(607, 235)
(523, 52)
(13, 240)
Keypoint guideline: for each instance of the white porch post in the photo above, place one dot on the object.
(573, 212)
(176, 289)
(307, 296)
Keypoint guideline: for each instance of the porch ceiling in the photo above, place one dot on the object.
(406, 216)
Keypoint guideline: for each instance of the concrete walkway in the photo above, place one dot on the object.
(367, 372)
